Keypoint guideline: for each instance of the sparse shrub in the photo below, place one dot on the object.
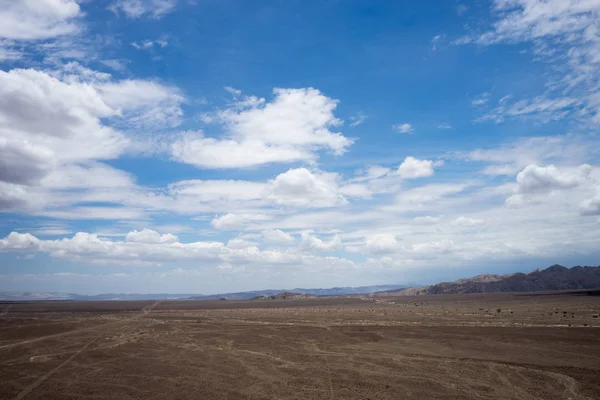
(498, 310)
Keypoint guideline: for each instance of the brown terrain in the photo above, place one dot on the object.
(467, 346)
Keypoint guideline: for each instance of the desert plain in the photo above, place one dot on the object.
(478, 346)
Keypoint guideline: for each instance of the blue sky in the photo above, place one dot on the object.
(209, 146)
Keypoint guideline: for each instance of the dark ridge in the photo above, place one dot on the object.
(553, 278)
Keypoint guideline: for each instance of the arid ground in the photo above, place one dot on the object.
(430, 347)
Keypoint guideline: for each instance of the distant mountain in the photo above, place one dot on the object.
(555, 277)
(286, 296)
(47, 296)
(337, 291)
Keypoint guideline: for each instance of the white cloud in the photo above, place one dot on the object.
(90, 248)
(143, 103)
(511, 158)
(444, 125)
(277, 236)
(217, 190)
(53, 134)
(23, 162)
(195, 149)
(414, 168)
(381, 244)
(236, 221)
(301, 188)
(90, 175)
(566, 36)
(427, 219)
(150, 44)
(435, 41)
(8, 54)
(534, 182)
(466, 221)
(481, 100)
(41, 118)
(357, 119)
(536, 179)
(292, 127)
(140, 8)
(38, 19)
(543, 109)
(428, 195)
(313, 243)
(149, 236)
(591, 206)
(143, 45)
(94, 213)
(403, 128)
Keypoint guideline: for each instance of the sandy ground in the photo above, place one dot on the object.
(436, 347)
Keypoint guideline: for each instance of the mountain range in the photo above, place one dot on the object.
(555, 277)
(336, 291)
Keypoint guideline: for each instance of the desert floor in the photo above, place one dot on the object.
(508, 346)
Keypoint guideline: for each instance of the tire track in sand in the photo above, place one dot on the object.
(144, 311)
(28, 389)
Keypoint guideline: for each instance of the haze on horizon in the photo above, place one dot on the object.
(181, 146)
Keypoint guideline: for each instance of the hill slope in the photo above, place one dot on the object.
(555, 277)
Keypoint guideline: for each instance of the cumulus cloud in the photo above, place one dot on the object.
(302, 188)
(236, 221)
(292, 127)
(277, 236)
(312, 243)
(45, 124)
(381, 244)
(23, 162)
(591, 206)
(535, 181)
(93, 249)
(466, 221)
(150, 237)
(414, 168)
(39, 19)
(54, 132)
(403, 128)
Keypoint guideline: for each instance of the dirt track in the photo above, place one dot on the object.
(461, 347)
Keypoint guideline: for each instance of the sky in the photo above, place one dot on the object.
(207, 146)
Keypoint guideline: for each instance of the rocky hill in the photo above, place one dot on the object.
(555, 277)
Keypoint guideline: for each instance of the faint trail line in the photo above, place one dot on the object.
(327, 365)
(144, 311)
(6, 310)
(47, 375)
